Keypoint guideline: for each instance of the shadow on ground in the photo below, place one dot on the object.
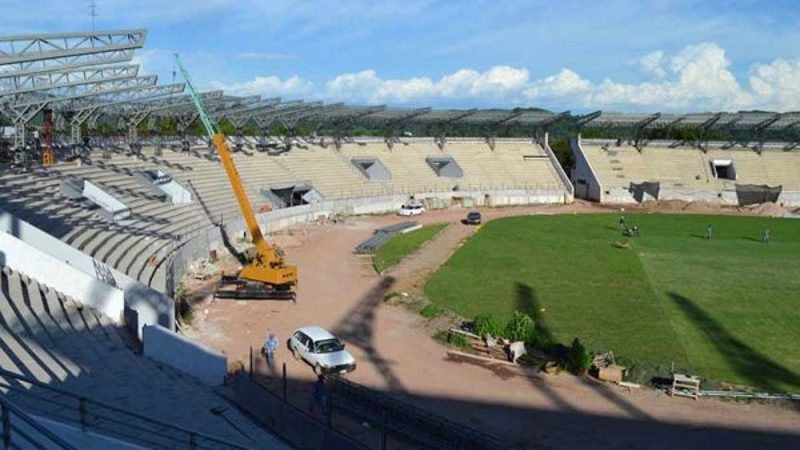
(757, 368)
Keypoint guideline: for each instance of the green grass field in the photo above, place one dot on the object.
(726, 308)
(403, 244)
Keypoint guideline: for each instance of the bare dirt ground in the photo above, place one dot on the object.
(340, 291)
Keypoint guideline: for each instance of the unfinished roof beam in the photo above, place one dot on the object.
(52, 81)
(25, 55)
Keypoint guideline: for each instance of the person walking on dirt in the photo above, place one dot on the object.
(270, 346)
(709, 231)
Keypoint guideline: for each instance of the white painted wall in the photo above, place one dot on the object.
(207, 365)
(583, 170)
(178, 195)
(61, 276)
(789, 198)
(143, 305)
(115, 209)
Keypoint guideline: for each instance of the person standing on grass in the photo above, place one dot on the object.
(765, 235)
(622, 225)
(709, 231)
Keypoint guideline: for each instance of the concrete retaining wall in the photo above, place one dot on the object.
(110, 207)
(592, 189)
(185, 355)
(143, 305)
(61, 276)
(789, 198)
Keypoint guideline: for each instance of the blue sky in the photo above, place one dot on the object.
(656, 55)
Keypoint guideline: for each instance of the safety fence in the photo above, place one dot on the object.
(370, 418)
(19, 430)
(90, 415)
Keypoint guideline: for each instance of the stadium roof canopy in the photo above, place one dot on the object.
(754, 120)
(87, 74)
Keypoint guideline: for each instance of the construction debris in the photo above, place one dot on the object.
(685, 386)
(606, 369)
(203, 269)
(750, 395)
(503, 350)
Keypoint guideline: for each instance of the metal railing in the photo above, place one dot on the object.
(18, 427)
(384, 422)
(105, 419)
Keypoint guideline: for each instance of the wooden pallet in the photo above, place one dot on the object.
(685, 386)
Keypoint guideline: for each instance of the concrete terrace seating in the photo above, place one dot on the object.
(688, 169)
(330, 174)
(511, 165)
(52, 339)
(617, 167)
(127, 244)
(410, 173)
(140, 244)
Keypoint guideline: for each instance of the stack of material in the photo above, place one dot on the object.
(685, 386)
(490, 348)
(607, 369)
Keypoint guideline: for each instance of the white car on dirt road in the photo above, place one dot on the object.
(318, 347)
(411, 209)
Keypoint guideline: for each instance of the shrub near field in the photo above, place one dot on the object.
(728, 307)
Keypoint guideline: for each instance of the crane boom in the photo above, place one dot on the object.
(268, 266)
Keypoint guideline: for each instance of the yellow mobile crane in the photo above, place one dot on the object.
(266, 276)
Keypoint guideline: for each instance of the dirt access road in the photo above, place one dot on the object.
(342, 292)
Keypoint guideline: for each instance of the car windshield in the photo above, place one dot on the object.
(329, 346)
(474, 215)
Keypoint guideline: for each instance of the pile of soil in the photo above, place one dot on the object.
(769, 210)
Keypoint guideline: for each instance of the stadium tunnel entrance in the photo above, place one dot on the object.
(284, 196)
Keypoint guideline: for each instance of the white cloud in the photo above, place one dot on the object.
(652, 63)
(777, 84)
(564, 83)
(697, 78)
(366, 85)
(270, 86)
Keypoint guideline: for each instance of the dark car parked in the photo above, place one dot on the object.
(473, 218)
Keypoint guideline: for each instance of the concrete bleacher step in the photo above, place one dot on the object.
(49, 337)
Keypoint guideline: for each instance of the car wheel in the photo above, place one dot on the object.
(317, 369)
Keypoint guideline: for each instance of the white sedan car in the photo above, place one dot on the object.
(322, 350)
(411, 209)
